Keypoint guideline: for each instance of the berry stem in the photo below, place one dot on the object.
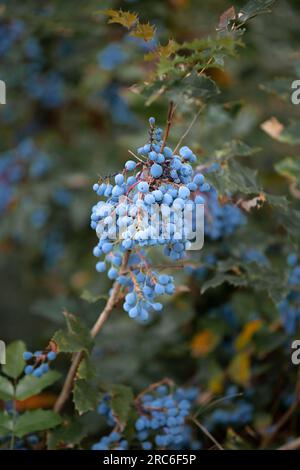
(110, 304)
(169, 123)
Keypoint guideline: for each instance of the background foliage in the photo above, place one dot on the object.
(79, 93)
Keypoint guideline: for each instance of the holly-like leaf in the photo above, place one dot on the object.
(234, 177)
(143, 31)
(6, 389)
(14, 359)
(76, 338)
(66, 435)
(36, 420)
(254, 8)
(121, 402)
(86, 369)
(235, 148)
(29, 386)
(6, 424)
(125, 18)
(86, 396)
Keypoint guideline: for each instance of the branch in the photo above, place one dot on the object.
(168, 125)
(110, 304)
(207, 433)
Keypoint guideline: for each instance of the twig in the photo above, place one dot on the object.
(287, 415)
(293, 445)
(113, 299)
(188, 129)
(207, 433)
(168, 125)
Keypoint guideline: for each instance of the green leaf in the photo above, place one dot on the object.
(86, 396)
(6, 424)
(254, 8)
(280, 87)
(234, 178)
(76, 338)
(69, 433)
(14, 359)
(6, 389)
(86, 369)
(235, 148)
(92, 298)
(193, 87)
(29, 385)
(121, 402)
(289, 168)
(37, 420)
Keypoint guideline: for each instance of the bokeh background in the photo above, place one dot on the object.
(71, 117)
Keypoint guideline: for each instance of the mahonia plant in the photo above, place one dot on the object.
(159, 177)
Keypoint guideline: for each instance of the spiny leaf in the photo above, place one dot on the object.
(125, 18)
(121, 402)
(76, 338)
(68, 434)
(37, 420)
(143, 31)
(86, 396)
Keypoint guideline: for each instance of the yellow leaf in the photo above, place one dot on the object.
(239, 369)
(215, 384)
(203, 343)
(144, 31)
(247, 333)
(125, 18)
(162, 51)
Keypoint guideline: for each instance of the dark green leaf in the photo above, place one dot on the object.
(121, 402)
(76, 338)
(86, 396)
(68, 434)
(6, 424)
(29, 385)
(6, 389)
(37, 420)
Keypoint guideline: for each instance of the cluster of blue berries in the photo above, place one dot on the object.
(143, 210)
(289, 307)
(39, 362)
(221, 220)
(162, 420)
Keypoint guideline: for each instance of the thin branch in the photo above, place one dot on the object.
(293, 445)
(207, 433)
(168, 125)
(110, 304)
(188, 129)
(285, 418)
